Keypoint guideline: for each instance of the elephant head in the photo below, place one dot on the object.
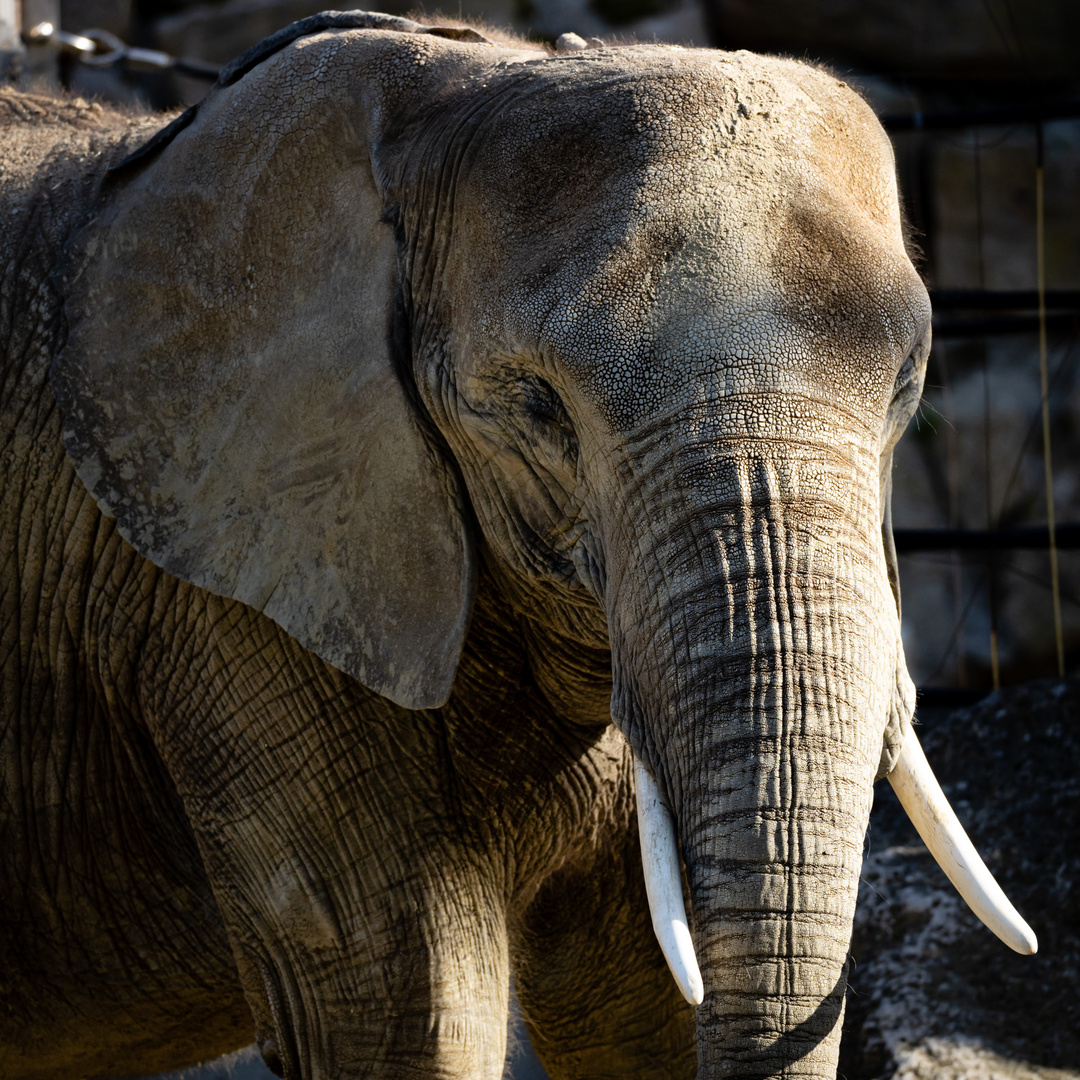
(636, 329)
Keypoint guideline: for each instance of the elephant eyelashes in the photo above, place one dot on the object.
(546, 416)
(904, 377)
(543, 404)
(909, 378)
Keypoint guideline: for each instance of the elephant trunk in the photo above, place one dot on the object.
(773, 851)
(772, 832)
(763, 689)
(757, 691)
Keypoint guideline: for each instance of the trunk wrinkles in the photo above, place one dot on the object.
(756, 686)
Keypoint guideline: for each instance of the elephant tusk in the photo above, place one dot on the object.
(663, 883)
(921, 796)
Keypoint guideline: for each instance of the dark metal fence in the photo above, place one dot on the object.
(985, 313)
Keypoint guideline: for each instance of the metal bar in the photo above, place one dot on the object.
(1003, 299)
(103, 49)
(1003, 325)
(1004, 114)
(1044, 383)
(1026, 538)
(196, 69)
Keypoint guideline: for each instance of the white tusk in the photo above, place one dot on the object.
(921, 796)
(663, 883)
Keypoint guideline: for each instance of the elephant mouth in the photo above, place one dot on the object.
(271, 1056)
(924, 802)
(280, 1051)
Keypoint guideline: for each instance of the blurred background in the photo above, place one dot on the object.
(982, 100)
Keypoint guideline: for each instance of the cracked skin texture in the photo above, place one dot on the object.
(437, 402)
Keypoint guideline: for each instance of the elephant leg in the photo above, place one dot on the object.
(427, 993)
(446, 1014)
(595, 992)
(367, 920)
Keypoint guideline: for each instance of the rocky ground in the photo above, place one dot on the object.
(245, 1064)
(934, 995)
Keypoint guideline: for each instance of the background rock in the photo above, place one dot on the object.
(934, 994)
(991, 39)
(973, 458)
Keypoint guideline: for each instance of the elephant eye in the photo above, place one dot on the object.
(904, 376)
(544, 424)
(910, 376)
(542, 403)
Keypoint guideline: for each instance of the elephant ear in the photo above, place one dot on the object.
(235, 380)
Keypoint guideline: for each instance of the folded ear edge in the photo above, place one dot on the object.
(236, 69)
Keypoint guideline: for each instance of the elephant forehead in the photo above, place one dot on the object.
(812, 305)
(630, 123)
(665, 212)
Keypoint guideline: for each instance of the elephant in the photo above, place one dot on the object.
(446, 505)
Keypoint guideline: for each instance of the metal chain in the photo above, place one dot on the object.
(102, 49)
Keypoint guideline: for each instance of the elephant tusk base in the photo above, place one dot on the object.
(663, 883)
(922, 798)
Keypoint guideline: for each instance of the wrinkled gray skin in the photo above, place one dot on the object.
(441, 402)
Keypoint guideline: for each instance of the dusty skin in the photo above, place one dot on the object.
(408, 438)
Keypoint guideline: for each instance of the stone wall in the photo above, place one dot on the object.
(954, 39)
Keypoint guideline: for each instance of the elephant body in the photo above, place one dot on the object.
(112, 933)
(499, 821)
(411, 452)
